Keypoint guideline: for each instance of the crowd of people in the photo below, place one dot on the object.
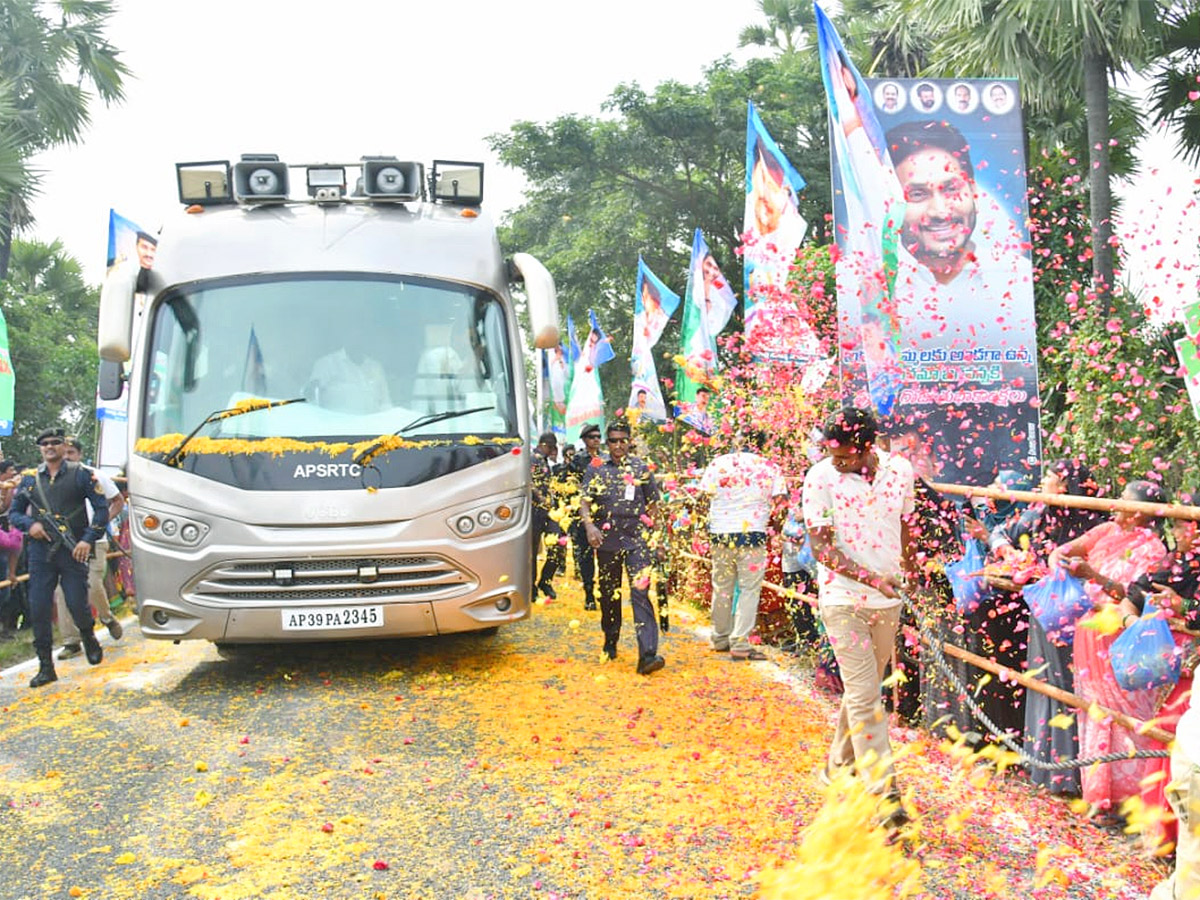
(871, 555)
(57, 522)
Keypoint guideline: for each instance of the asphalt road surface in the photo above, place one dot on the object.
(516, 765)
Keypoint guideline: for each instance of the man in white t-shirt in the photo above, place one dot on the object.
(742, 486)
(97, 566)
(857, 502)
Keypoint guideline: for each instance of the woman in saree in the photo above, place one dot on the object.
(1172, 588)
(1107, 557)
(1039, 530)
(995, 627)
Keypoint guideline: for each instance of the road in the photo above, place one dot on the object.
(478, 767)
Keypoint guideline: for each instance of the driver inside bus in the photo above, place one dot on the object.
(347, 380)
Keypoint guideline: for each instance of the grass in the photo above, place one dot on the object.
(21, 649)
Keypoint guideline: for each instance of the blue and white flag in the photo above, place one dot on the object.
(585, 397)
(653, 305)
(774, 230)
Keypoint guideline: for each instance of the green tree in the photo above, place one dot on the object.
(51, 315)
(1177, 77)
(790, 26)
(44, 67)
(641, 178)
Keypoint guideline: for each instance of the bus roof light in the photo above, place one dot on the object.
(204, 183)
(260, 178)
(458, 182)
(387, 178)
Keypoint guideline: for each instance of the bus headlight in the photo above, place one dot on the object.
(486, 519)
(169, 528)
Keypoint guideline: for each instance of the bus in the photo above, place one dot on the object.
(328, 427)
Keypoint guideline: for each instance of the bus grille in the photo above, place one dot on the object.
(377, 579)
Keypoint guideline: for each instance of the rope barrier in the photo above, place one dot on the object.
(940, 648)
(1075, 501)
(939, 658)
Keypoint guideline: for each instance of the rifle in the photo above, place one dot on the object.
(57, 528)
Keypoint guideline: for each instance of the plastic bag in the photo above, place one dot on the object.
(10, 539)
(968, 592)
(1058, 601)
(1144, 655)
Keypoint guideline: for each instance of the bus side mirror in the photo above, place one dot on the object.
(115, 328)
(543, 300)
(111, 382)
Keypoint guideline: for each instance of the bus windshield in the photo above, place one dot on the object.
(370, 355)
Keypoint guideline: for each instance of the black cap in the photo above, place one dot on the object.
(51, 433)
(589, 429)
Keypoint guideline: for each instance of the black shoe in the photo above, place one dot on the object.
(548, 590)
(589, 603)
(896, 818)
(92, 649)
(650, 664)
(664, 623)
(45, 675)
(610, 649)
(70, 651)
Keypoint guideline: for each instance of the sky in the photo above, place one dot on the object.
(216, 79)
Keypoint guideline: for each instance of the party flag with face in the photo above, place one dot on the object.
(874, 212)
(709, 302)
(653, 304)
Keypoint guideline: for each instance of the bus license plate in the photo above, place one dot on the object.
(319, 618)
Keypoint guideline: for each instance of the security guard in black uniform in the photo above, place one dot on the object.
(50, 506)
(543, 505)
(618, 504)
(577, 473)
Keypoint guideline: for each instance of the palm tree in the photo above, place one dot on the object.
(1057, 48)
(45, 106)
(790, 26)
(1176, 78)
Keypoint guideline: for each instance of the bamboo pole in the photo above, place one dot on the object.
(9, 582)
(777, 588)
(1028, 681)
(1066, 697)
(1103, 504)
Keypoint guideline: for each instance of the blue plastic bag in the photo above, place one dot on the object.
(968, 592)
(1058, 601)
(1144, 655)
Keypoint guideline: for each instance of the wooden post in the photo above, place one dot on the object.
(1066, 697)
(1103, 504)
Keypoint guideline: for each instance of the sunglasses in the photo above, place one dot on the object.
(591, 437)
(50, 442)
(618, 440)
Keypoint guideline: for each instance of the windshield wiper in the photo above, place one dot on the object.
(175, 454)
(419, 422)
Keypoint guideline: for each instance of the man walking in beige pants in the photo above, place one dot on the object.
(742, 485)
(856, 506)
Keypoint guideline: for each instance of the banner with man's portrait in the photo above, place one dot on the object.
(961, 277)
(128, 244)
(708, 304)
(653, 305)
(773, 230)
